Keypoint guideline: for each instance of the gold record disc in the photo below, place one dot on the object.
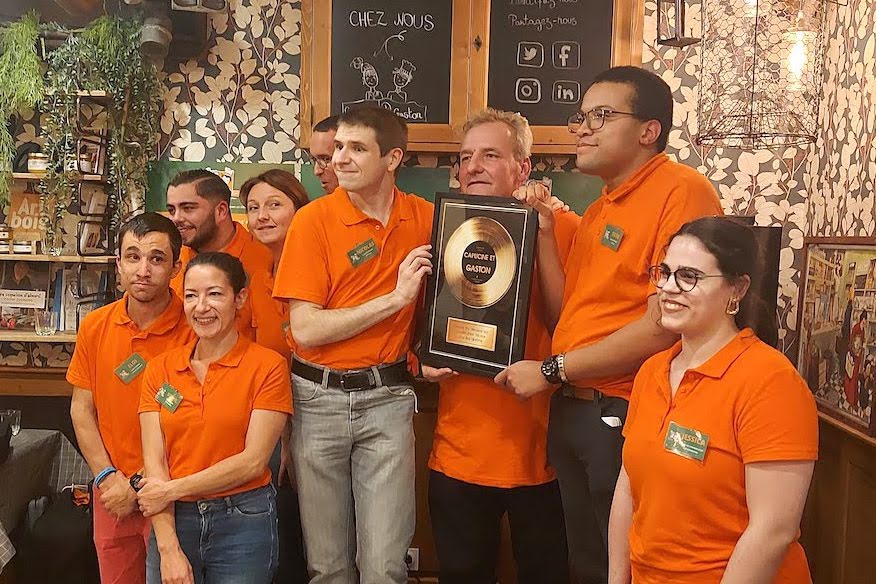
(480, 262)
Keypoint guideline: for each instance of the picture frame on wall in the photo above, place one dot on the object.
(836, 320)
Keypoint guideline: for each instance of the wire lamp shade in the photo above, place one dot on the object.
(761, 75)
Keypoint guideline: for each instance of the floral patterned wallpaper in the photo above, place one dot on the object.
(842, 168)
(768, 184)
(240, 104)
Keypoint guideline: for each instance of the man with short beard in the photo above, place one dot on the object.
(112, 348)
(199, 203)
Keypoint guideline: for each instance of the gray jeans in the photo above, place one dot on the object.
(354, 458)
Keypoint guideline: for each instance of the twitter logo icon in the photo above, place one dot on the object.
(530, 54)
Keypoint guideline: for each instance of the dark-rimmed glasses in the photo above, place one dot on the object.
(685, 278)
(323, 162)
(594, 118)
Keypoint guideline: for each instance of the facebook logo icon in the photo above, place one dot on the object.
(567, 55)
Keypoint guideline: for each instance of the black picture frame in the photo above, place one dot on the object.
(468, 325)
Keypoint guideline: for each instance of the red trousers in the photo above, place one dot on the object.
(121, 545)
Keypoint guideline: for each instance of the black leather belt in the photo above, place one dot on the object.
(355, 379)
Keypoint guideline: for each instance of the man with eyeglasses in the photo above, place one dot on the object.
(600, 299)
(322, 146)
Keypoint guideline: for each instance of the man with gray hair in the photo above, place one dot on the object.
(489, 450)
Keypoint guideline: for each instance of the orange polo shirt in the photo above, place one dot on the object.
(211, 421)
(108, 337)
(688, 515)
(486, 435)
(335, 256)
(255, 258)
(607, 285)
(270, 317)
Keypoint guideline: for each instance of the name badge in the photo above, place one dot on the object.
(168, 397)
(612, 236)
(363, 252)
(686, 442)
(130, 368)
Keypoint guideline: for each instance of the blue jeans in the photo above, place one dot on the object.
(354, 458)
(230, 540)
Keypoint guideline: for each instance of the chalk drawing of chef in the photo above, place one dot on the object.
(369, 78)
(401, 76)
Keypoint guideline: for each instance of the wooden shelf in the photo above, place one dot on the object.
(40, 176)
(30, 382)
(62, 259)
(97, 93)
(25, 336)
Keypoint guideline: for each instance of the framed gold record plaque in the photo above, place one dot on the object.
(477, 298)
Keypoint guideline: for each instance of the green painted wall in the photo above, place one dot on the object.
(576, 189)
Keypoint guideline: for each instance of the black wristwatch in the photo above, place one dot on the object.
(135, 482)
(550, 368)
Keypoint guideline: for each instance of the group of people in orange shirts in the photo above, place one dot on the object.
(647, 436)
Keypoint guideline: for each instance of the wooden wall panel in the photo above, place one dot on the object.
(840, 517)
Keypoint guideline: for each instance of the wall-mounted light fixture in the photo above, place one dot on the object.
(761, 71)
(671, 25)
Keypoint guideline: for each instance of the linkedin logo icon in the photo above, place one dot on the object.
(565, 91)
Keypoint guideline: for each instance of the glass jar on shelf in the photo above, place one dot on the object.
(5, 239)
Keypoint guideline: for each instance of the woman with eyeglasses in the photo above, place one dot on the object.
(271, 200)
(721, 434)
(211, 413)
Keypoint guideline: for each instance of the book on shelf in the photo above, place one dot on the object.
(24, 218)
(85, 288)
(92, 205)
(24, 287)
(91, 153)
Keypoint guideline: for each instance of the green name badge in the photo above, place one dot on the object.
(363, 252)
(168, 397)
(686, 442)
(130, 368)
(612, 236)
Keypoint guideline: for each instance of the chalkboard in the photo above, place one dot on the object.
(543, 54)
(394, 54)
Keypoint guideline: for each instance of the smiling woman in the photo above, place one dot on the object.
(271, 199)
(723, 413)
(211, 413)
(215, 288)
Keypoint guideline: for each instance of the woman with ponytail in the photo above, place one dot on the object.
(721, 435)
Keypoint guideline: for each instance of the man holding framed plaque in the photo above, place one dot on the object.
(600, 299)
(352, 268)
(489, 449)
